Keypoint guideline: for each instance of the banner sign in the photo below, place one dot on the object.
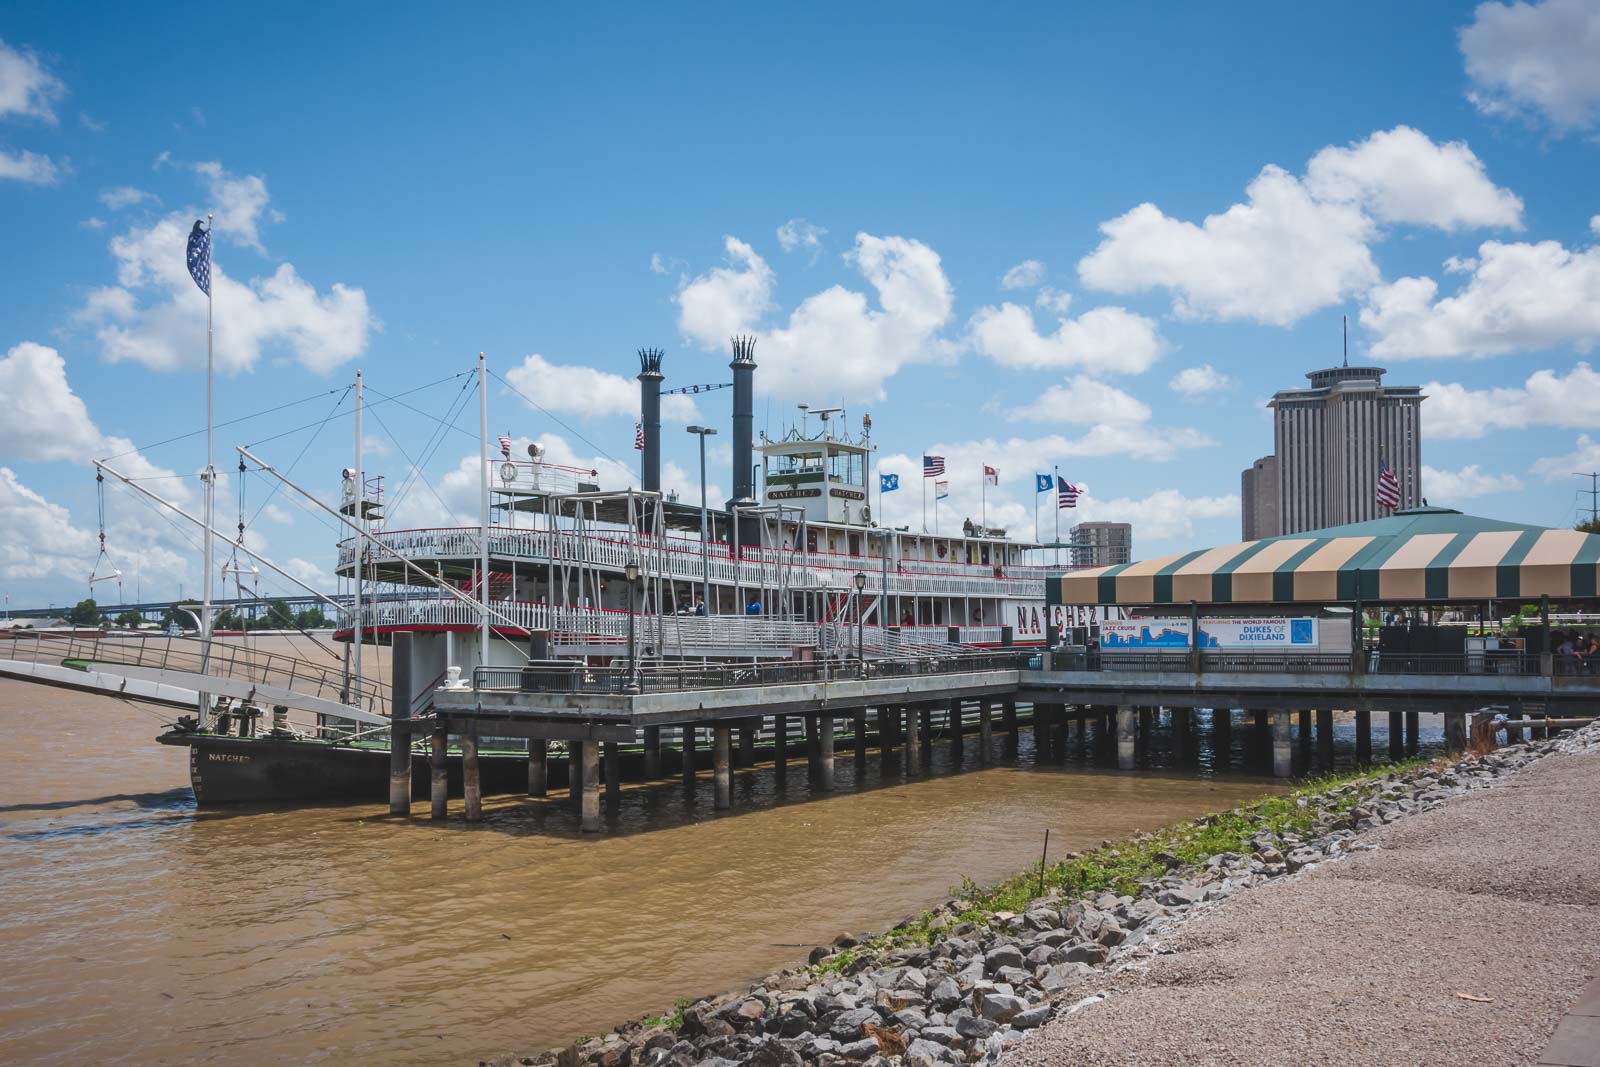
(1028, 619)
(1169, 634)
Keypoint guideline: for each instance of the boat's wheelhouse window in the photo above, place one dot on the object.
(798, 466)
(847, 467)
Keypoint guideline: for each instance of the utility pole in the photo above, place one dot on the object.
(1593, 493)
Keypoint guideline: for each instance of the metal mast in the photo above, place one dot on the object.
(360, 516)
(483, 508)
(204, 709)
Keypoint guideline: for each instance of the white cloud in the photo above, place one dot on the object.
(278, 515)
(1401, 176)
(27, 89)
(1052, 300)
(798, 233)
(1295, 246)
(310, 573)
(1446, 487)
(1200, 381)
(1101, 339)
(657, 266)
(1162, 515)
(1519, 296)
(45, 419)
(1536, 59)
(1594, 225)
(1585, 456)
(1084, 401)
(581, 390)
(237, 203)
(37, 538)
(1546, 399)
(155, 314)
(726, 300)
(93, 222)
(124, 196)
(835, 339)
(1025, 275)
(27, 167)
(90, 123)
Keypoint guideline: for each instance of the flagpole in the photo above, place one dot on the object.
(1036, 510)
(483, 505)
(1057, 487)
(925, 497)
(204, 705)
(983, 490)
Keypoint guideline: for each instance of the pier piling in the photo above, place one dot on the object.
(858, 731)
(913, 742)
(1282, 745)
(613, 777)
(399, 729)
(985, 730)
(1397, 740)
(1126, 739)
(589, 753)
(1363, 737)
(825, 753)
(722, 742)
(439, 772)
(1413, 728)
(471, 785)
(747, 743)
(652, 752)
(1324, 738)
(780, 743)
(1455, 732)
(1221, 736)
(538, 767)
(689, 754)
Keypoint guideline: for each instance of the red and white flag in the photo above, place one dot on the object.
(1388, 493)
(505, 446)
(991, 476)
(638, 436)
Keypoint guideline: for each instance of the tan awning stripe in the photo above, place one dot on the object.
(1472, 575)
(1317, 579)
(1252, 579)
(1403, 576)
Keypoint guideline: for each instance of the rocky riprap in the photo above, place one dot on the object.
(978, 988)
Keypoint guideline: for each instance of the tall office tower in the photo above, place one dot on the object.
(1258, 495)
(1332, 440)
(1102, 544)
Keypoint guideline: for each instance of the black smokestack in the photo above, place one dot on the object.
(650, 418)
(744, 417)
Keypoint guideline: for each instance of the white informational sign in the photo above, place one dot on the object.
(1029, 619)
(1295, 634)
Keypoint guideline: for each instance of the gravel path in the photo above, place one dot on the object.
(1359, 961)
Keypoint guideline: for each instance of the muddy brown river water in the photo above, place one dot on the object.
(138, 930)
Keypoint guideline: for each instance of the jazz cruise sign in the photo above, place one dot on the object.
(1290, 633)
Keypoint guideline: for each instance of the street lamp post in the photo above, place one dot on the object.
(703, 432)
(631, 572)
(861, 644)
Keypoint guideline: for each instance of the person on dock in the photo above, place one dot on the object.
(754, 607)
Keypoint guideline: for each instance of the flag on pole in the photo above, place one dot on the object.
(505, 447)
(888, 483)
(638, 436)
(200, 257)
(991, 476)
(941, 490)
(932, 466)
(1066, 494)
(1042, 483)
(1388, 494)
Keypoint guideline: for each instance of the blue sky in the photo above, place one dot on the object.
(1177, 199)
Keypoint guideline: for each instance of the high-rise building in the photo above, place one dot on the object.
(1258, 493)
(1102, 544)
(1332, 439)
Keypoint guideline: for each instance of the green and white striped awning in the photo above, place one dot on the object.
(1417, 555)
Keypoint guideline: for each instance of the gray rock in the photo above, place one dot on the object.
(1144, 911)
(1299, 857)
(910, 1019)
(1027, 1020)
(1180, 896)
(975, 1029)
(946, 994)
(1013, 976)
(1040, 956)
(859, 1050)
(1001, 1007)
(847, 1024)
(944, 1035)
(774, 1054)
(1104, 928)
(924, 1053)
(1088, 952)
(1002, 956)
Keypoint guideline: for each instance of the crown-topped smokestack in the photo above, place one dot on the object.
(744, 374)
(650, 418)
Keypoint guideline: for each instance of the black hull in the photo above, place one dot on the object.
(268, 770)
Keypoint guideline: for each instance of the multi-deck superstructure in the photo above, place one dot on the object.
(801, 569)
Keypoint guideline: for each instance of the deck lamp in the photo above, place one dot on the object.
(861, 655)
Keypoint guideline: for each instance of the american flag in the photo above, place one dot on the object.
(932, 466)
(1388, 494)
(991, 476)
(505, 446)
(200, 257)
(638, 436)
(1066, 493)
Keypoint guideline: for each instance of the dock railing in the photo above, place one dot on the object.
(1214, 661)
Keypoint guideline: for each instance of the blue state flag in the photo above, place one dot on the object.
(199, 257)
(1042, 483)
(888, 483)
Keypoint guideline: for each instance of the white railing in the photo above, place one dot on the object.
(682, 561)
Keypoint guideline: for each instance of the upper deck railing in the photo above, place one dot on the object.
(679, 558)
